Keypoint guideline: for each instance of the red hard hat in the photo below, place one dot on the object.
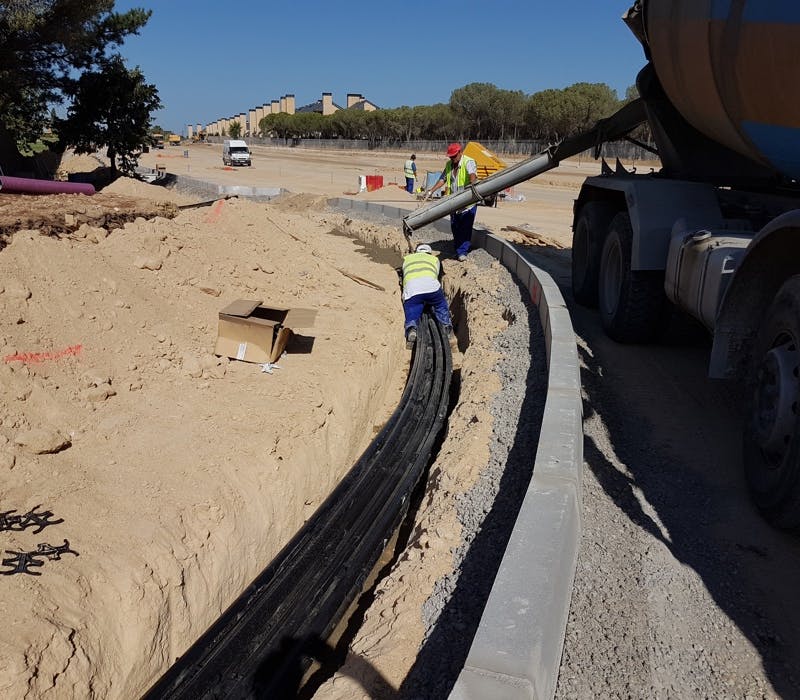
(453, 149)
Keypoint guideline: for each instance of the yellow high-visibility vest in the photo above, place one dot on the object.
(417, 265)
(462, 176)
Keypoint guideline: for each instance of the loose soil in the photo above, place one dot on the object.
(173, 476)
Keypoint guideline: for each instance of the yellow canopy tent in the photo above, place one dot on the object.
(488, 163)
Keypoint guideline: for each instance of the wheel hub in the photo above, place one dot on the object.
(776, 398)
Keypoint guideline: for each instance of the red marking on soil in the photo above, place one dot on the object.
(37, 357)
(215, 212)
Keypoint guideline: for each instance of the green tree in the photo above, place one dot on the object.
(403, 123)
(631, 93)
(44, 46)
(308, 125)
(439, 122)
(592, 102)
(110, 107)
(265, 125)
(556, 114)
(278, 124)
(376, 126)
(235, 129)
(544, 114)
(508, 114)
(477, 104)
(349, 123)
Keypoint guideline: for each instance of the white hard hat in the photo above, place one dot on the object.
(424, 248)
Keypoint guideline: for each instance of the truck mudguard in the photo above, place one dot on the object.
(772, 257)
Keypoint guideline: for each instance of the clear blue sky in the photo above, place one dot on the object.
(216, 59)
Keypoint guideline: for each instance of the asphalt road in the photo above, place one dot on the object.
(682, 590)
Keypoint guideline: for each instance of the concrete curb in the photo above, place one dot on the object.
(517, 648)
(210, 190)
(516, 652)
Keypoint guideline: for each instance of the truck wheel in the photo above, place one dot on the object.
(632, 303)
(591, 227)
(771, 439)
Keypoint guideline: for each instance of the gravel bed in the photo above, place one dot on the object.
(489, 510)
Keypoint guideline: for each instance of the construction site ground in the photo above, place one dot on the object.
(174, 475)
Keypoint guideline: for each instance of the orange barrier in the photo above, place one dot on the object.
(374, 182)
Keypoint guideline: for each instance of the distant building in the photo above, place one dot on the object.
(325, 105)
(356, 101)
(250, 120)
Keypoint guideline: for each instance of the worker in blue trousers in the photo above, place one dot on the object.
(410, 171)
(420, 279)
(459, 172)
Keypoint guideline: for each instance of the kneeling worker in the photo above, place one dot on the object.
(420, 279)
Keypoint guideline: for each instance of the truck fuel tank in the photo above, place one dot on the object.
(700, 266)
(732, 69)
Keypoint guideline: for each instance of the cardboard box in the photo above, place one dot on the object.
(252, 332)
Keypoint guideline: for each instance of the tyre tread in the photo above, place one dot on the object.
(640, 312)
(778, 502)
(597, 216)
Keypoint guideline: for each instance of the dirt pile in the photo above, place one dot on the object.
(173, 476)
(74, 215)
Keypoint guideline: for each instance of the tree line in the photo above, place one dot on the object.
(65, 54)
(479, 111)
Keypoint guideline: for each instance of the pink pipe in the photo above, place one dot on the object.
(27, 185)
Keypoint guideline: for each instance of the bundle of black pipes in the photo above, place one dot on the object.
(263, 644)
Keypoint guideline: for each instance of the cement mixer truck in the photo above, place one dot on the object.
(716, 231)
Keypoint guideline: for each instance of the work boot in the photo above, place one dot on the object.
(411, 336)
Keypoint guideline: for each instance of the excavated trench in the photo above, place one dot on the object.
(458, 303)
(289, 632)
(303, 653)
(264, 643)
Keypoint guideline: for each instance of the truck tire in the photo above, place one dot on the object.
(632, 303)
(591, 227)
(771, 438)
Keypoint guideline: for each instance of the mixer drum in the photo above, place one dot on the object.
(732, 69)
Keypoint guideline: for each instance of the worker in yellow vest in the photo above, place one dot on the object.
(410, 171)
(459, 172)
(420, 279)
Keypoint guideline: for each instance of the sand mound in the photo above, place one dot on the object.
(84, 163)
(137, 188)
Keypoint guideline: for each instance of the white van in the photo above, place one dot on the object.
(235, 152)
